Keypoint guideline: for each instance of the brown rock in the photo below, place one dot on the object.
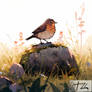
(50, 59)
(16, 70)
(4, 84)
(15, 87)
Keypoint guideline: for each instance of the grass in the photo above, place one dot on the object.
(8, 56)
(45, 84)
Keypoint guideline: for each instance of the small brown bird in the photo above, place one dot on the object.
(45, 31)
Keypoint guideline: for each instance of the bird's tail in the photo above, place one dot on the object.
(30, 37)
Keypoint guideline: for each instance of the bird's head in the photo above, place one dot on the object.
(50, 21)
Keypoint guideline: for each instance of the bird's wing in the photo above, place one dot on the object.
(39, 29)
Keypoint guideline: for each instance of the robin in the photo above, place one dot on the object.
(45, 31)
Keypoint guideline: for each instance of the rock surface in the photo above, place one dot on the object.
(16, 70)
(4, 84)
(49, 59)
(15, 87)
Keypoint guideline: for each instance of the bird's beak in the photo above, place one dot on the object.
(55, 22)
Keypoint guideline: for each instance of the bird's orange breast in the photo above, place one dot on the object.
(51, 28)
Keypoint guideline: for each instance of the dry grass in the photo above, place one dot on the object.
(8, 56)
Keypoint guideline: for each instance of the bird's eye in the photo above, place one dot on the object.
(51, 21)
